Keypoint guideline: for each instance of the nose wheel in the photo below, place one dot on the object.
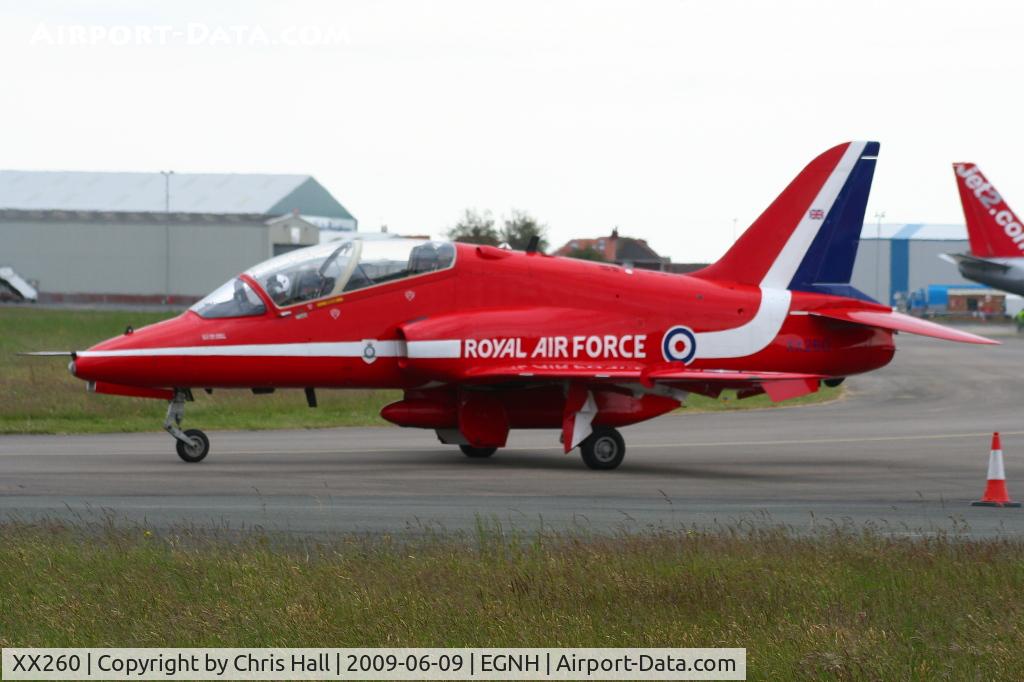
(197, 447)
(192, 444)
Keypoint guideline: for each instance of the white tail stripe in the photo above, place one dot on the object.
(751, 337)
(781, 273)
(761, 330)
(339, 349)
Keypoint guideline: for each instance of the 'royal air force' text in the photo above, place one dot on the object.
(627, 347)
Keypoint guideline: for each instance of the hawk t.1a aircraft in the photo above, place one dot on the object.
(996, 235)
(483, 340)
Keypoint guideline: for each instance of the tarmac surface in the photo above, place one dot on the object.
(905, 451)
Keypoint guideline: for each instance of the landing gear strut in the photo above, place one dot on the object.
(603, 449)
(192, 445)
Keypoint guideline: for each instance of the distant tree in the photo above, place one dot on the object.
(520, 227)
(587, 253)
(475, 228)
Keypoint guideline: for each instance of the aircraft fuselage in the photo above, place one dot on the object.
(493, 308)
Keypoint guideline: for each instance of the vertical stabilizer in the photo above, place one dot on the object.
(992, 226)
(807, 239)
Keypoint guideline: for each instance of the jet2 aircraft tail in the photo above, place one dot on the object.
(807, 239)
(992, 227)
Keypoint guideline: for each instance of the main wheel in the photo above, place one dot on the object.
(470, 451)
(603, 449)
(197, 449)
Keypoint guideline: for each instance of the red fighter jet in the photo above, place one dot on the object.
(483, 340)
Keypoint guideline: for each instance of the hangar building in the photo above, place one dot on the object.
(153, 237)
(896, 261)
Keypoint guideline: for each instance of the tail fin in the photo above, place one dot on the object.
(992, 227)
(807, 238)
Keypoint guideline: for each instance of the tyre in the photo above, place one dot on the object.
(470, 451)
(604, 449)
(197, 450)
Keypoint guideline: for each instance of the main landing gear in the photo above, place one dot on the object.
(603, 449)
(476, 453)
(192, 444)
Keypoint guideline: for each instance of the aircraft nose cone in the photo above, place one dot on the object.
(124, 359)
(95, 365)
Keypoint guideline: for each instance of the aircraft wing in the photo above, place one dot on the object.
(569, 371)
(726, 375)
(893, 321)
(582, 371)
(778, 385)
(983, 263)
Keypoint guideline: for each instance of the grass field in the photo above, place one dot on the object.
(38, 395)
(834, 606)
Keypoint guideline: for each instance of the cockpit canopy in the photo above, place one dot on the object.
(231, 299)
(326, 270)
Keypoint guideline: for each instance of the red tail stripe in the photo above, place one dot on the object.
(752, 255)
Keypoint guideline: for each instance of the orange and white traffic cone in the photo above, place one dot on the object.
(995, 491)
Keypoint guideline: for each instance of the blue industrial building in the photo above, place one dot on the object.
(897, 263)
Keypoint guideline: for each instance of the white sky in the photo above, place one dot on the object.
(668, 119)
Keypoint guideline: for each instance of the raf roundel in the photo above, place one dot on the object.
(679, 345)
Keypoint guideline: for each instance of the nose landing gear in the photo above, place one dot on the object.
(192, 444)
(197, 447)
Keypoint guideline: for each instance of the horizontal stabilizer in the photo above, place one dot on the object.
(974, 261)
(898, 322)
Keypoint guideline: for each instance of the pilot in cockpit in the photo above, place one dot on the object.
(278, 287)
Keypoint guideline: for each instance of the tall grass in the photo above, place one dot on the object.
(834, 606)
